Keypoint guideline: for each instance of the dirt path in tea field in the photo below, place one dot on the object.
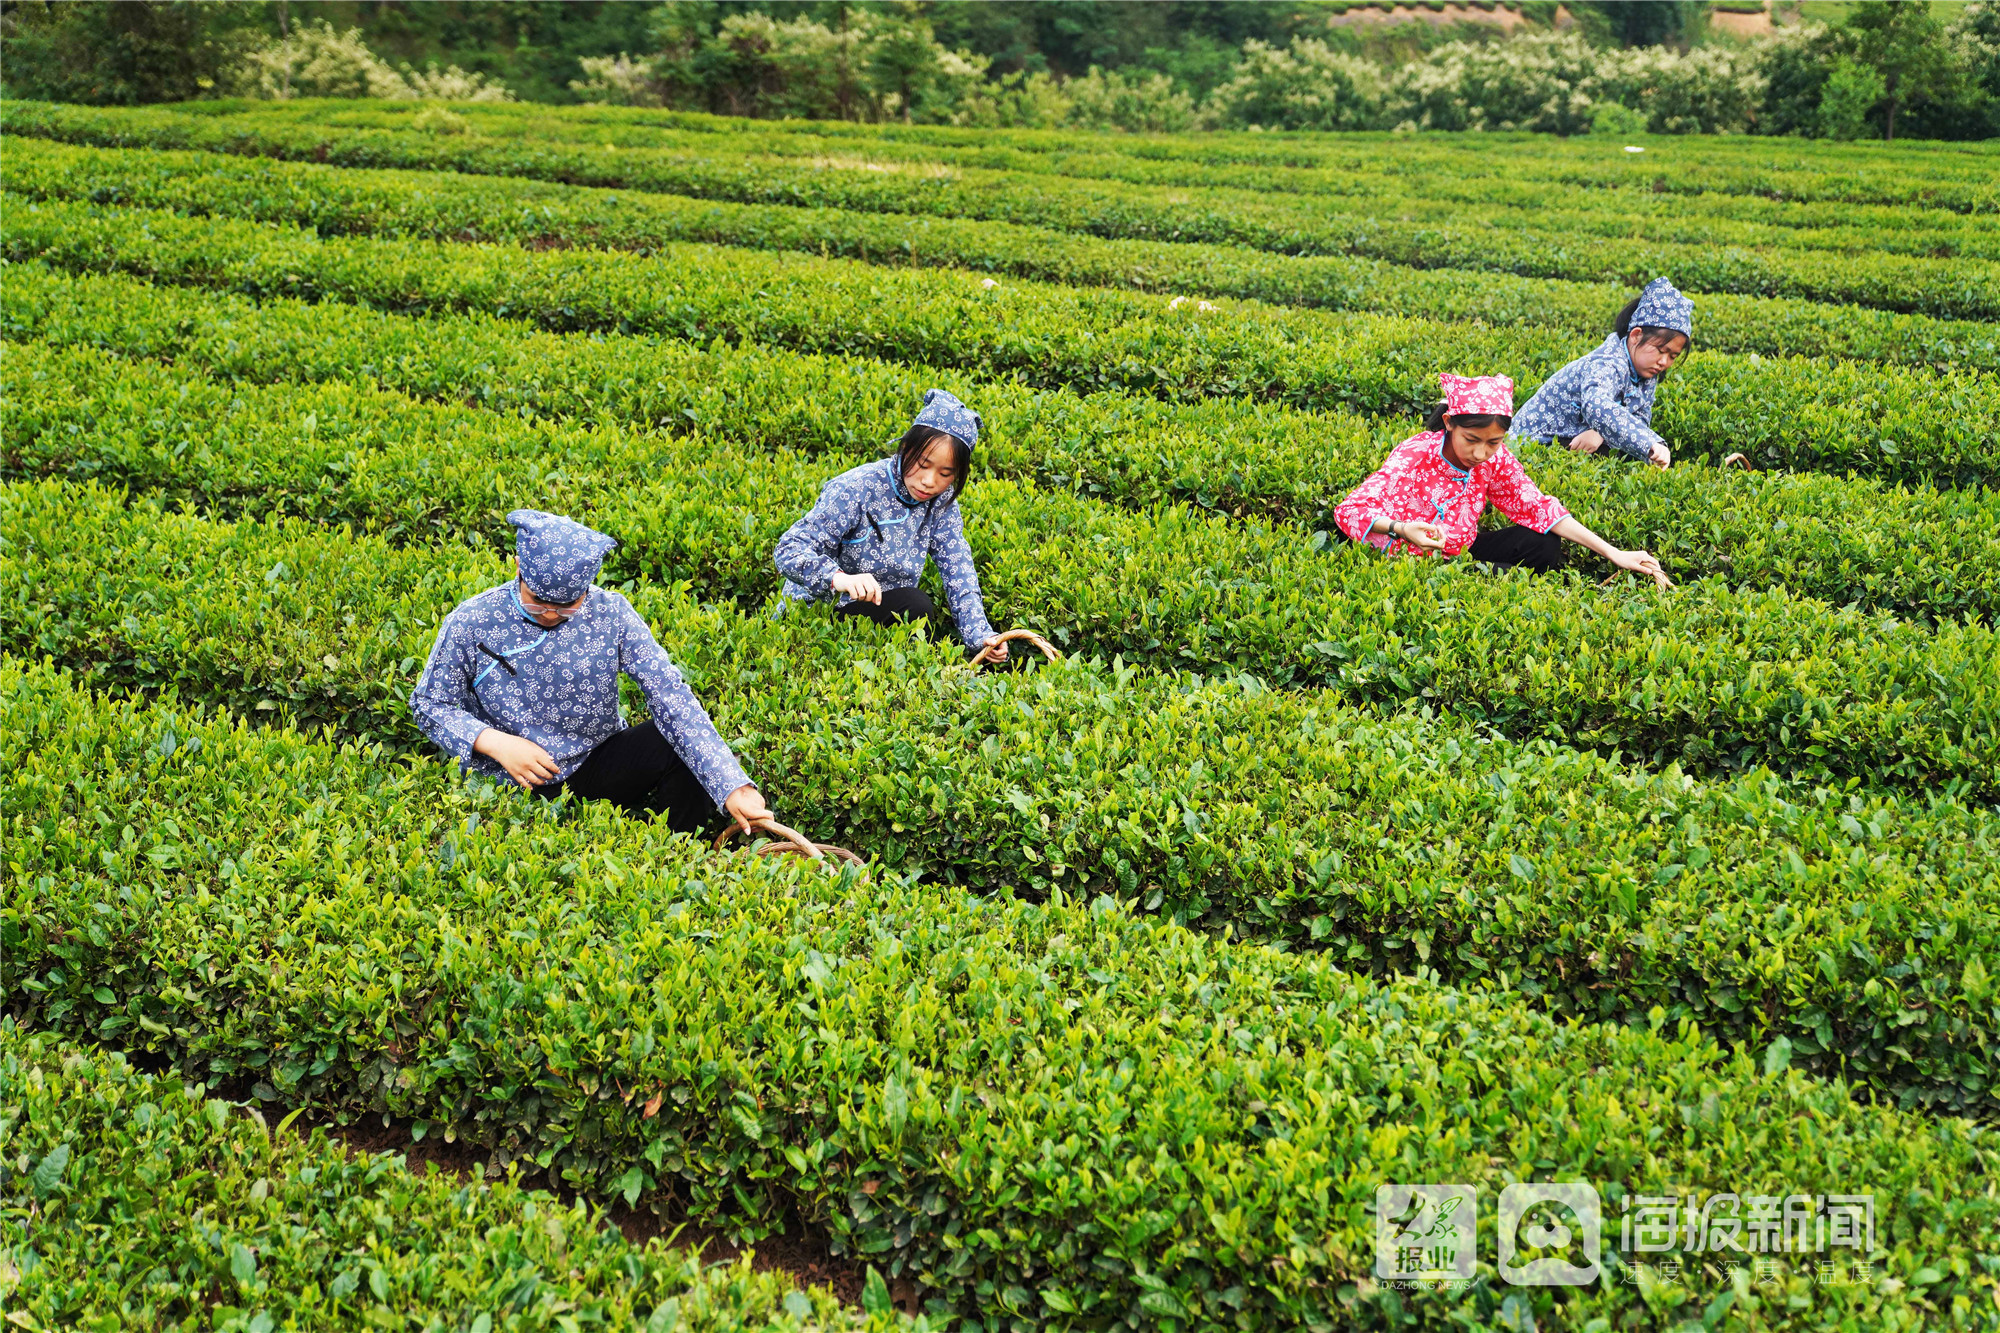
(803, 1253)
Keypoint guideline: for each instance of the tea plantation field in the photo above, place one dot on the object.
(1304, 873)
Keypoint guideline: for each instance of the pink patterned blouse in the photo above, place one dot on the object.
(1417, 484)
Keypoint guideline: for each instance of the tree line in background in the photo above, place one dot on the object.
(1891, 68)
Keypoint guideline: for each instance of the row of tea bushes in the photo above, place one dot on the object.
(1309, 618)
(1915, 552)
(1358, 176)
(1706, 675)
(1851, 925)
(1950, 289)
(140, 1201)
(449, 206)
(1835, 180)
(1795, 413)
(1041, 1112)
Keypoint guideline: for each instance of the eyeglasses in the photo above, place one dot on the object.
(532, 605)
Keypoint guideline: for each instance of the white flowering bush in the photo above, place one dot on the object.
(1138, 102)
(1559, 83)
(939, 80)
(452, 84)
(1708, 90)
(1539, 82)
(1306, 86)
(1972, 42)
(1015, 101)
(1975, 37)
(617, 81)
(873, 67)
(793, 68)
(318, 60)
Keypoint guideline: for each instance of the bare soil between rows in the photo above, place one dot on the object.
(802, 1253)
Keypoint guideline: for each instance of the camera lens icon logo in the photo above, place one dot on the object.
(1550, 1235)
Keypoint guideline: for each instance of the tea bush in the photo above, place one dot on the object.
(145, 1201)
(1915, 551)
(1008, 1102)
(1306, 871)
(1709, 676)
(447, 206)
(1395, 844)
(1959, 289)
(1793, 412)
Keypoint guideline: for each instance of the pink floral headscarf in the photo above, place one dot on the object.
(1477, 395)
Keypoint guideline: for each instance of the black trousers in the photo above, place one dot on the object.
(1516, 545)
(897, 604)
(1603, 450)
(638, 771)
(1521, 547)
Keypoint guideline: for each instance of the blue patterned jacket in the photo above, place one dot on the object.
(866, 523)
(1601, 392)
(559, 687)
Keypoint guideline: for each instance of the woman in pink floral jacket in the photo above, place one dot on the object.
(1428, 495)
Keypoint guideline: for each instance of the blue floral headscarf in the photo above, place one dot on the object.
(558, 556)
(1661, 307)
(944, 412)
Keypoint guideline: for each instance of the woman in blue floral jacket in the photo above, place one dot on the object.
(865, 542)
(523, 681)
(1606, 397)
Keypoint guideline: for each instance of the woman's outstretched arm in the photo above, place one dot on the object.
(1638, 562)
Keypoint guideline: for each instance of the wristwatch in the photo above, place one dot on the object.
(1394, 535)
